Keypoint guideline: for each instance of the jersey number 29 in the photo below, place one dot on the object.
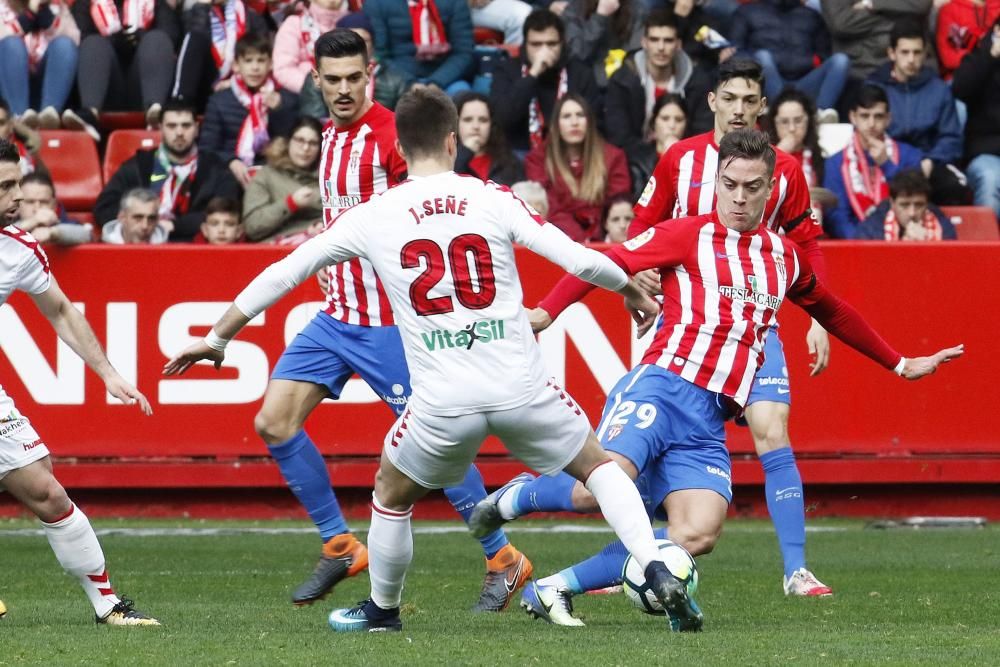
(467, 253)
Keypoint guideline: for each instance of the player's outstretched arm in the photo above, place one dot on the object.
(918, 367)
(212, 347)
(72, 327)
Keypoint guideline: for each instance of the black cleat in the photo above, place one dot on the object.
(682, 612)
(343, 556)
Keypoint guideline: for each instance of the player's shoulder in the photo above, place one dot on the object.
(671, 230)
(18, 246)
(784, 162)
(697, 142)
(381, 119)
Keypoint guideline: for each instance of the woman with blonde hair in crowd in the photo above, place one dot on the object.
(283, 199)
(579, 170)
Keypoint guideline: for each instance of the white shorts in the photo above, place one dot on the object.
(545, 434)
(19, 444)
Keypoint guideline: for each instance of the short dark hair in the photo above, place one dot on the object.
(543, 19)
(39, 178)
(8, 152)
(748, 144)
(340, 43)
(868, 96)
(909, 182)
(424, 118)
(4, 105)
(660, 18)
(662, 101)
(223, 205)
(178, 105)
(906, 28)
(253, 42)
(740, 68)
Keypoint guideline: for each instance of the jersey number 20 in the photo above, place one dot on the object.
(466, 253)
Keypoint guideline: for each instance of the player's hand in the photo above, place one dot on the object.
(918, 367)
(127, 394)
(323, 278)
(241, 172)
(644, 310)
(649, 281)
(819, 348)
(191, 355)
(539, 319)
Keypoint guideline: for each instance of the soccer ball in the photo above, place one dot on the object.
(3, 609)
(679, 562)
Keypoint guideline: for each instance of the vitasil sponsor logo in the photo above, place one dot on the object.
(750, 294)
(483, 331)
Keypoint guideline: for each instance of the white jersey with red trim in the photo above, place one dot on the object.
(683, 184)
(443, 247)
(721, 292)
(23, 266)
(357, 161)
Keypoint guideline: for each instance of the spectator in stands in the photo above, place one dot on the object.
(617, 219)
(578, 169)
(283, 198)
(534, 196)
(792, 126)
(702, 35)
(127, 59)
(208, 52)
(602, 32)
(977, 83)
(38, 52)
(183, 179)
(923, 112)
(961, 24)
(293, 44)
(23, 137)
(786, 38)
(222, 224)
(481, 151)
(45, 218)
(859, 175)
(658, 68)
(525, 91)
(907, 215)
(138, 221)
(429, 40)
(387, 84)
(860, 29)
(667, 125)
(241, 118)
(506, 16)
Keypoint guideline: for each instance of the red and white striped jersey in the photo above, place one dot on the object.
(721, 292)
(357, 161)
(683, 184)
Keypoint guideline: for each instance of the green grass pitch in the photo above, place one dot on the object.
(902, 597)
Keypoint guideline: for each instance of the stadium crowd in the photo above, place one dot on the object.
(571, 102)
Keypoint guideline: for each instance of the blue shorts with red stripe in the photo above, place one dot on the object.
(328, 352)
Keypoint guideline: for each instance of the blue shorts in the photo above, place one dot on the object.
(327, 352)
(771, 381)
(671, 430)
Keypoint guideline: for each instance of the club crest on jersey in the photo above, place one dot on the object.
(647, 192)
(614, 432)
(779, 265)
(354, 162)
(751, 294)
(638, 241)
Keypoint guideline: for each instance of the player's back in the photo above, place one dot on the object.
(442, 245)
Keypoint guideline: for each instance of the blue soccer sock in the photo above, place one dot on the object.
(545, 494)
(305, 472)
(602, 569)
(464, 498)
(786, 504)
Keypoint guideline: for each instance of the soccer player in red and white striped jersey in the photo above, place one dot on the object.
(684, 184)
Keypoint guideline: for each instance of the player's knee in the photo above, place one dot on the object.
(583, 500)
(697, 542)
(770, 434)
(273, 429)
(387, 495)
(48, 499)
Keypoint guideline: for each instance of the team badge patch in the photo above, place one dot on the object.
(614, 432)
(638, 241)
(647, 192)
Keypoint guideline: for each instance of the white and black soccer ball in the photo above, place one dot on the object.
(679, 562)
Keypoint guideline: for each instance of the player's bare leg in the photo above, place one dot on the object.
(768, 422)
(72, 540)
(279, 423)
(695, 519)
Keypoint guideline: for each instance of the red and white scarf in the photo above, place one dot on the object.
(135, 15)
(228, 23)
(536, 119)
(893, 230)
(807, 167)
(310, 31)
(865, 184)
(428, 31)
(175, 188)
(253, 135)
(27, 161)
(34, 42)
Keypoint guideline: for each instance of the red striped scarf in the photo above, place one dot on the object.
(253, 135)
(865, 184)
(138, 15)
(893, 229)
(428, 31)
(536, 119)
(34, 42)
(228, 24)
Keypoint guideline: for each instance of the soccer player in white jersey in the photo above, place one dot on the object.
(25, 467)
(355, 333)
(724, 276)
(442, 244)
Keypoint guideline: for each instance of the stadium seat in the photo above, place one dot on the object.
(71, 158)
(973, 223)
(122, 144)
(122, 120)
(487, 36)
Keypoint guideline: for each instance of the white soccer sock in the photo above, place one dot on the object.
(390, 550)
(556, 580)
(506, 502)
(76, 548)
(623, 510)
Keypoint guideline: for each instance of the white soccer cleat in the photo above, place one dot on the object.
(804, 583)
(549, 603)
